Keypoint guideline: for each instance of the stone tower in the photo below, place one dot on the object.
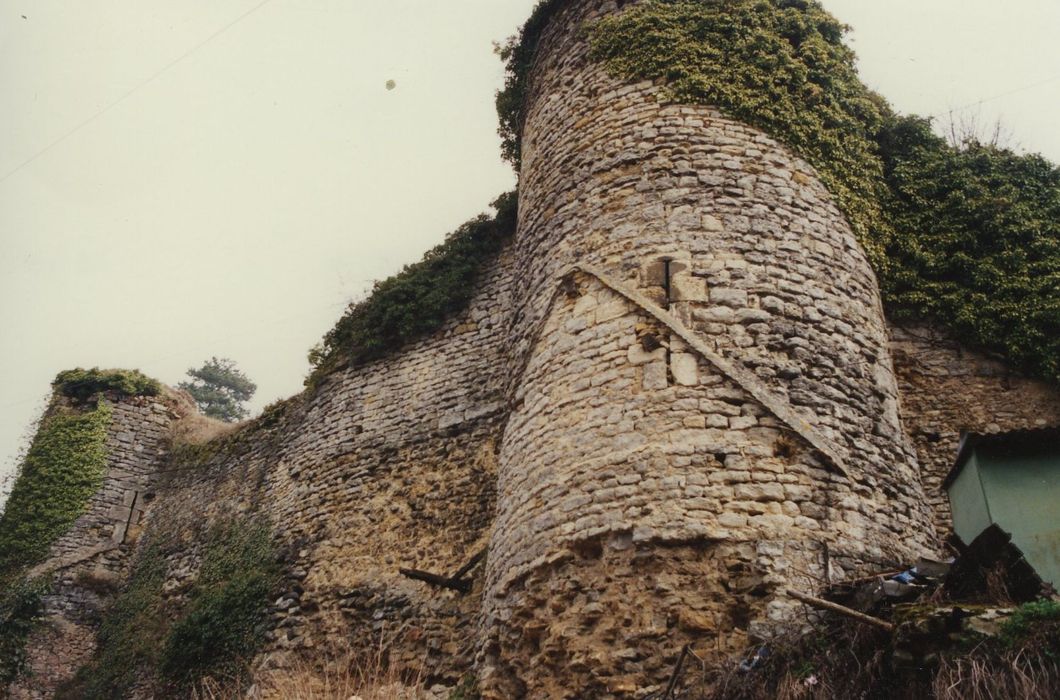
(706, 413)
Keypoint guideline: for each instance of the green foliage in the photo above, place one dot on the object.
(81, 384)
(1034, 622)
(780, 65)
(419, 299)
(20, 610)
(518, 56)
(467, 689)
(225, 621)
(220, 389)
(63, 468)
(217, 632)
(129, 634)
(976, 244)
(966, 236)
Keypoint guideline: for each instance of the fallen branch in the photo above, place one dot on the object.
(841, 610)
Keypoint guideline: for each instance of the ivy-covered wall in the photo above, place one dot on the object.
(68, 506)
(62, 470)
(419, 299)
(966, 235)
(170, 639)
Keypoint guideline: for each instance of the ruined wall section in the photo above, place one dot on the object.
(948, 389)
(137, 444)
(384, 466)
(651, 505)
(621, 429)
(88, 562)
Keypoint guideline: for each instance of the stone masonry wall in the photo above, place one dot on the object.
(724, 383)
(386, 466)
(671, 399)
(89, 561)
(948, 389)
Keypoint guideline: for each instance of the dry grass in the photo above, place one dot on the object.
(1018, 675)
(99, 581)
(197, 429)
(842, 661)
(846, 660)
(344, 676)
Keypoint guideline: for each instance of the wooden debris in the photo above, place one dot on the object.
(841, 610)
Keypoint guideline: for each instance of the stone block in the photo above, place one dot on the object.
(655, 376)
(637, 355)
(768, 491)
(734, 298)
(714, 314)
(685, 368)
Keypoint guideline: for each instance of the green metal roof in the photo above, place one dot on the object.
(1045, 436)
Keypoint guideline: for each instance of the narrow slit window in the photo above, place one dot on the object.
(666, 280)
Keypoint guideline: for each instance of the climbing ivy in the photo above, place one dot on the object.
(215, 632)
(976, 244)
(965, 235)
(419, 299)
(81, 384)
(518, 56)
(63, 468)
(225, 623)
(20, 610)
(780, 65)
(129, 634)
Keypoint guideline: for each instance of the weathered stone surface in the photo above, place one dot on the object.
(650, 462)
(87, 563)
(788, 298)
(948, 389)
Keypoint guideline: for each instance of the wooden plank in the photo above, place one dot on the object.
(841, 610)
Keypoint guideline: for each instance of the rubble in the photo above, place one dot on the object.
(983, 622)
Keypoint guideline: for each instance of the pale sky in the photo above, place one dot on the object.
(220, 177)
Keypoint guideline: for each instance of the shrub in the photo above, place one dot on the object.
(976, 243)
(419, 299)
(20, 609)
(1037, 624)
(81, 384)
(143, 636)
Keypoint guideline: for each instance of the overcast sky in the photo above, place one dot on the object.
(181, 179)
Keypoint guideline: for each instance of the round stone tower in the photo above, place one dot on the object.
(704, 409)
